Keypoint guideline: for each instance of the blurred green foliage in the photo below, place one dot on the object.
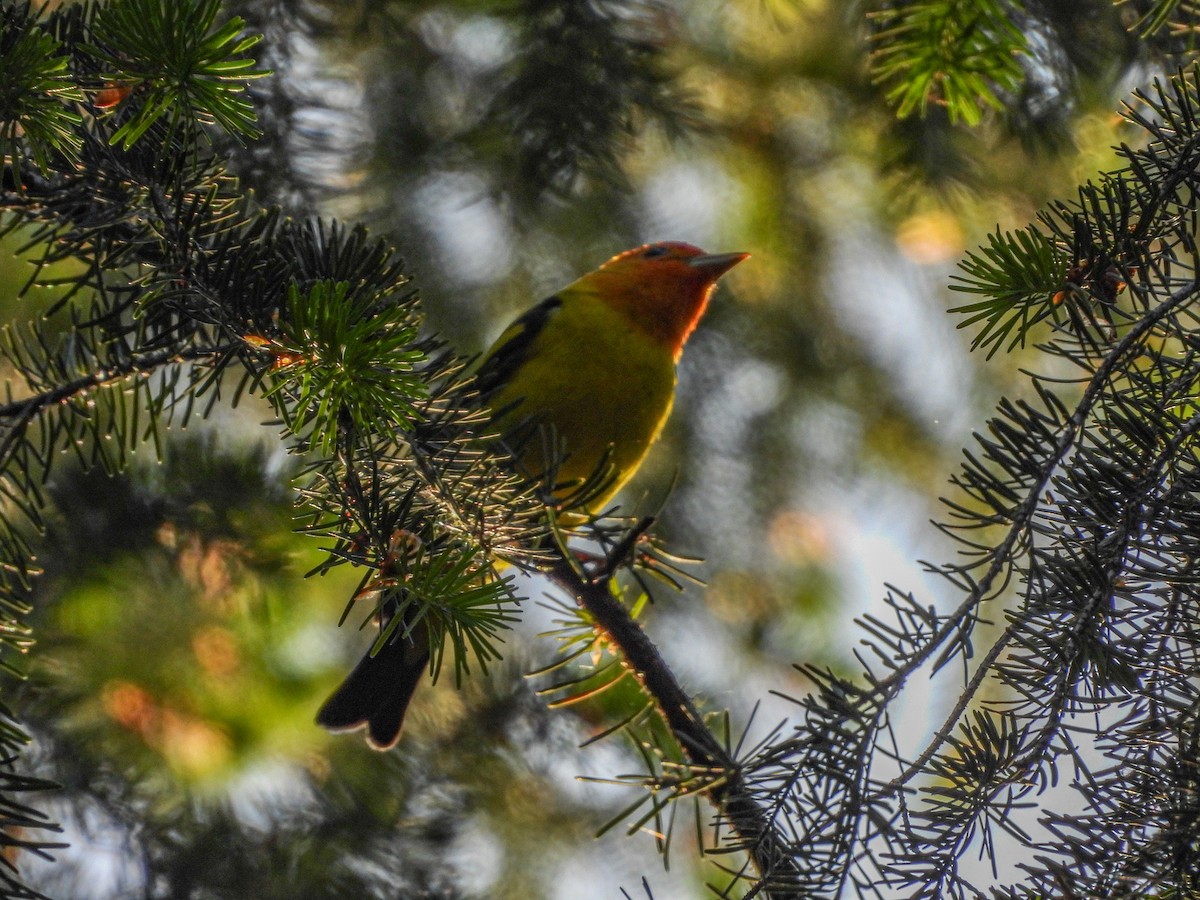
(182, 650)
(176, 615)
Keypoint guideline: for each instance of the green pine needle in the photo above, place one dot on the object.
(1018, 274)
(958, 54)
(36, 94)
(181, 65)
(341, 358)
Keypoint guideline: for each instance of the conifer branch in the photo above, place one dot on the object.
(24, 410)
(756, 831)
(1021, 520)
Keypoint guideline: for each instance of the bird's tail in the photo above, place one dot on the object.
(376, 693)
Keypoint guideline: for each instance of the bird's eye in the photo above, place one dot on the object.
(654, 252)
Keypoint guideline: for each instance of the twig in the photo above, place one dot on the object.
(729, 791)
(1021, 519)
(16, 416)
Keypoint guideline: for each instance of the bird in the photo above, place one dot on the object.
(595, 366)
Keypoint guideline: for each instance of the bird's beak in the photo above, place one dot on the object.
(714, 265)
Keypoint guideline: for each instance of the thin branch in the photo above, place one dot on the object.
(24, 410)
(729, 790)
(1021, 521)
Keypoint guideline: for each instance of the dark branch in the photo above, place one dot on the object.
(728, 790)
(1020, 524)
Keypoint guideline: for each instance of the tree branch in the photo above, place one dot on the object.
(728, 789)
(16, 415)
(1021, 520)
(23, 410)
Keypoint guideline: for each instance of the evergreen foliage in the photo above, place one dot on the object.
(1079, 503)
(193, 292)
(187, 281)
(1076, 511)
(960, 55)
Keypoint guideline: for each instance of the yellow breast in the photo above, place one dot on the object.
(596, 385)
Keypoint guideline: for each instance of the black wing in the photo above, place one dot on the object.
(512, 348)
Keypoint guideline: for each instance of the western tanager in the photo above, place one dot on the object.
(594, 366)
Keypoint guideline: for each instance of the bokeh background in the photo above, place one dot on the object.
(823, 404)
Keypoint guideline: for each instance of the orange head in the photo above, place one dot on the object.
(661, 288)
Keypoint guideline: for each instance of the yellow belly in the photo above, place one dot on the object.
(598, 387)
